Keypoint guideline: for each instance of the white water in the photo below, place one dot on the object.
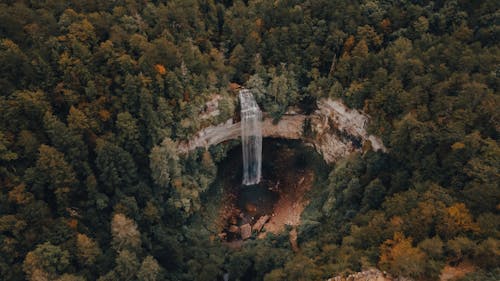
(251, 138)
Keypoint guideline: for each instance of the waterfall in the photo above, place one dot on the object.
(251, 138)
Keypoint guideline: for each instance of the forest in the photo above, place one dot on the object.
(95, 95)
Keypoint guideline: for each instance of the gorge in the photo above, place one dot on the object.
(270, 199)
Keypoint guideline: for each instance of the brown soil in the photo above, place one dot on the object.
(291, 186)
(291, 201)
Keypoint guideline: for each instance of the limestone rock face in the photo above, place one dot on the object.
(335, 131)
(211, 108)
(367, 275)
(260, 223)
(210, 136)
(246, 231)
(289, 127)
(338, 130)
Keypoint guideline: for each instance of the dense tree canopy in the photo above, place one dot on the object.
(94, 96)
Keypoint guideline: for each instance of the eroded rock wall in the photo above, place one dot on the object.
(367, 275)
(338, 130)
(335, 131)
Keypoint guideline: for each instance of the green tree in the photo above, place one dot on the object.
(67, 141)
(487, 253)
(128, 133)
(127, 265)
(164, 162)
(45, 258)
(282, 90)
(116, 166)
(78, 121)
(6, 155)
(28, 143)
(57, 171)
(373, 195)
(24, 110)
(483, 169)
(460, 248)
(54, 174)
(149, 270)
(87, 249)
(15, 67)
(238, 59)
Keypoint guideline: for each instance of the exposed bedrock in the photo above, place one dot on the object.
(333, 129)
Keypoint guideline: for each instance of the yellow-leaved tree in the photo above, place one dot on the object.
(399, 257)
(125, 233)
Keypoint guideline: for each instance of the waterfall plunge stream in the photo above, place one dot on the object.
(251, 138)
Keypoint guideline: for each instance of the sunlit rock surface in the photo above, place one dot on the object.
(335, 131)
(367, 275)
(338, 130)
(211, 108)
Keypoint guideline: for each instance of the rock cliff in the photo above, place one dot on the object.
(369, 275)
(333, 129)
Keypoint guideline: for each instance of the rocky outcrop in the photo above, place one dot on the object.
(246, 231)
(257, 227)
(289, 127)
(337, 130)
(211, 136)
(334, 130)
(367, 275)
(371, 274)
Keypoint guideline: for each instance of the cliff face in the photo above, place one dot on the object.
(334, 130)
(337, 131)
(368, 275)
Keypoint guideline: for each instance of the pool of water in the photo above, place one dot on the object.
(256, 200)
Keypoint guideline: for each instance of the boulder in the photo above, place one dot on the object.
(260, 223)
(234, 229)
(246, 231)
(367, 275)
